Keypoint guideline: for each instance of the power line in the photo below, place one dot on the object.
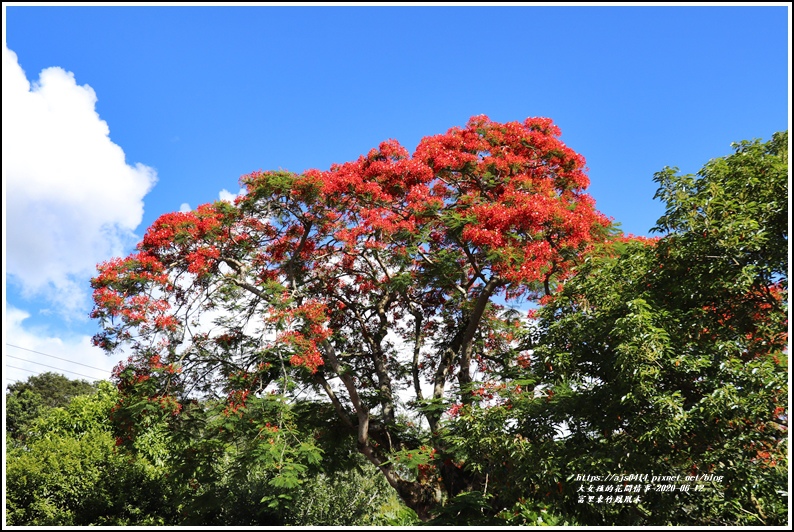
(14, 381)
(53, 356)
(46, 366)
(23, 369)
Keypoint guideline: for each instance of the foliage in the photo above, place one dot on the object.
(68, 472)
(361, 310)
(54, 388)
(670, 358)
(662, 357)
(371, 287)
(71, 470)
(21, 409)
(25, 400)
(357, 497)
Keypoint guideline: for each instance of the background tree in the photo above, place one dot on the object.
(663, 358)
(25, 400)
(371, 288)
(69, 470)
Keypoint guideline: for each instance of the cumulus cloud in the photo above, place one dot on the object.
(225, 195)
(30, 351)
(71, 200)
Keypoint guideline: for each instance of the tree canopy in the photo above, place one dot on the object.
(369, 287)
(670, 357)
(26, 399)
(66, 469)
(370, 306)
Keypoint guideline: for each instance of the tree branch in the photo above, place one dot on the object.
(334, 399)
(355, 399)
(417, 347)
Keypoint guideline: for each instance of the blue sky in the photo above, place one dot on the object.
(184, 100)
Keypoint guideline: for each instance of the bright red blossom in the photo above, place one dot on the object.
(320, 274)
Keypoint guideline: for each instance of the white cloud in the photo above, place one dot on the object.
(31, 351)
(225, 195)
(71, 200)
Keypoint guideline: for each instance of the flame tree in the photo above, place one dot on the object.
(371, 291)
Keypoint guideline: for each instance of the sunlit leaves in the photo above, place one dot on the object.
(353, 284)
(674, 349)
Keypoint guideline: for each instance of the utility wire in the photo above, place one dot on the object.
(23, 369)
(53, 356)
(46, 366)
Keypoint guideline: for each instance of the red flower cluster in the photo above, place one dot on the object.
(236, 402)
(490, 208)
